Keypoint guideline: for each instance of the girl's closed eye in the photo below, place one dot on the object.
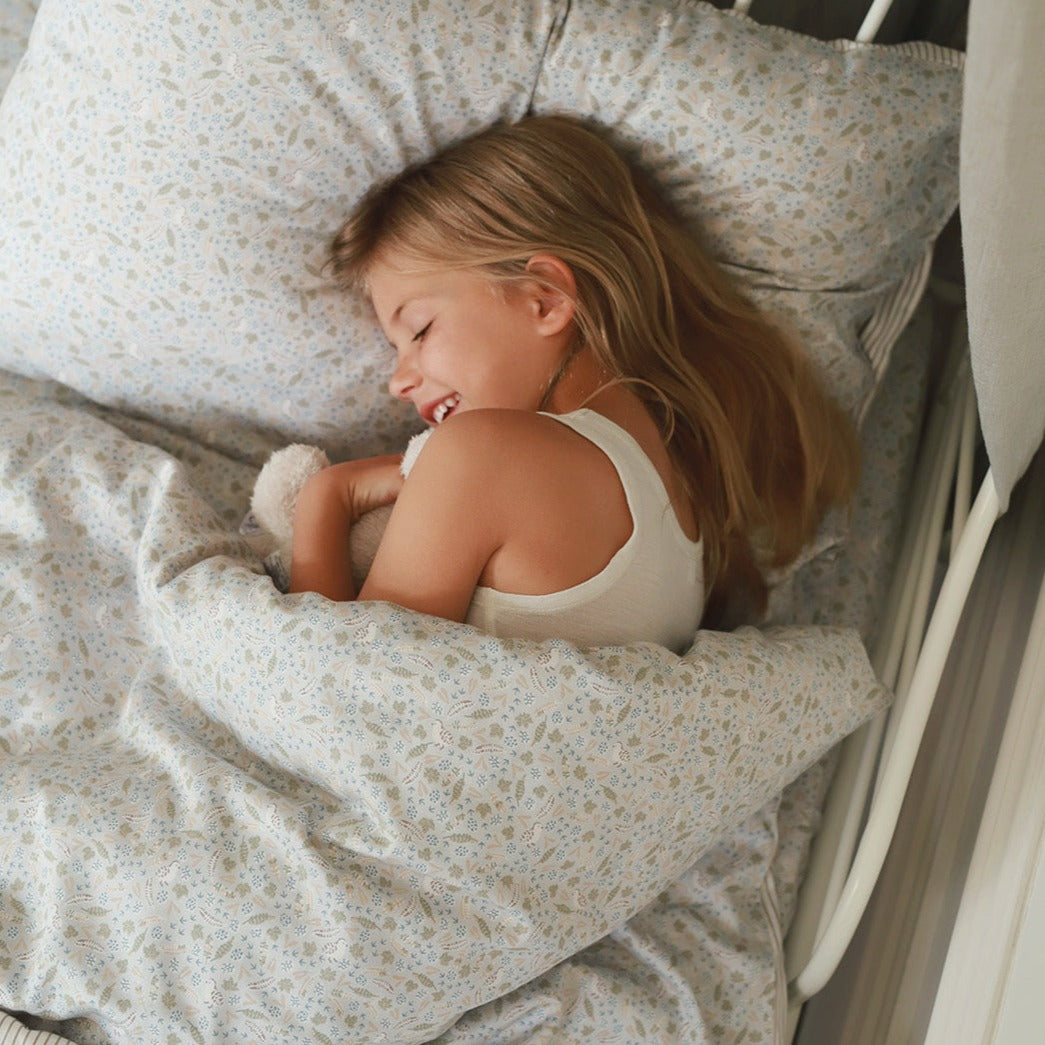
(419, 336)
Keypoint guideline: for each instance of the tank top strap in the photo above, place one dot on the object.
(644, 489)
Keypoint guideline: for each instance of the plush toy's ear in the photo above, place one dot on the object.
(413, 448)
(277, 487)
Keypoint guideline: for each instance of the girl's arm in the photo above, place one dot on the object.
(329, 503)
(506, 489)
(448, 520)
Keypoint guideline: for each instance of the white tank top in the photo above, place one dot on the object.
(652, 590)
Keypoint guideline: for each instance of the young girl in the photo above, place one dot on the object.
(622, 441)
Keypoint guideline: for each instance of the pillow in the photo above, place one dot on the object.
(171, 173)
(170, 176)
(821, 173)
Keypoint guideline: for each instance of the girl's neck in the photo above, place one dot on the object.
(583, 382)
(586, 382)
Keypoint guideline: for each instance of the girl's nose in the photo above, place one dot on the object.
(404, 380)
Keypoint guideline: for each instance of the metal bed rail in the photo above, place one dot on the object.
(909, 657)
(868, 28)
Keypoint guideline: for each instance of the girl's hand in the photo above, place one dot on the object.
(327, 506)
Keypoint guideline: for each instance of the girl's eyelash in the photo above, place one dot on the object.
(421, 333)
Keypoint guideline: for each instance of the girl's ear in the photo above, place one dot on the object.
(554, 293)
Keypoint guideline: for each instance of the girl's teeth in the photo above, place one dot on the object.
(444, 408)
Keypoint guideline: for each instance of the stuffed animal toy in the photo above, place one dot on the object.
(269, 524)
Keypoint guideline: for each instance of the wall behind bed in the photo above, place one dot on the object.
(939, 21)
(16, 20)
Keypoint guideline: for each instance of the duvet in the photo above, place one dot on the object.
(231, 814)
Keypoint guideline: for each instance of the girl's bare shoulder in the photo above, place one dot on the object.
(493, 443)
(544, 504)
(525, 473)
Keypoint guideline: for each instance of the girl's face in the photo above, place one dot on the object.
(463, 342)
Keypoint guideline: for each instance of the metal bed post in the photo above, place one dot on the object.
(868, 29)
(873, 21)
(835, 894)
(885, 806)
(950, 458)
(895, 655)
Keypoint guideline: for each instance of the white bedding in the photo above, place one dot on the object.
(281, 818)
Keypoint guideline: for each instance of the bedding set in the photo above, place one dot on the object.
(229, 814)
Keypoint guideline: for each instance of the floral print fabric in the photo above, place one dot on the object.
(346, 821)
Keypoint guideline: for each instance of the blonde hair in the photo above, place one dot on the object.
(761, 448)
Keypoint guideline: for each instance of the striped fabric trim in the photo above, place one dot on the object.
(920, 49)
(889, 319)
(14, 1032)
(931, 52)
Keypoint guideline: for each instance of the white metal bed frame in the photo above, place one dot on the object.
(868, 29)
(863, 805)
(909, 657)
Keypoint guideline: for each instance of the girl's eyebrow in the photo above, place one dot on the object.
(398, 312)
(406, 303)
(396, 317)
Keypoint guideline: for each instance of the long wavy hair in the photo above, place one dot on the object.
(760, 447)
